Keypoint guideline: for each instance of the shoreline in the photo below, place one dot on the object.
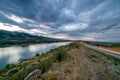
(65, 60)
(16, 45)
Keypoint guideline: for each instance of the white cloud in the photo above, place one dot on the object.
(38, 32)
(68, 12)
(74, 27)
(90, 15)
(16, 18)
(61, 36)
(9, 27)
(87, 39)
(84, 16)
(44, 26)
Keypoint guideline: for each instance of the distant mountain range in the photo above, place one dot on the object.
(16, 38)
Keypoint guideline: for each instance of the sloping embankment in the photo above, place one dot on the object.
(83, 63)
(70, 62)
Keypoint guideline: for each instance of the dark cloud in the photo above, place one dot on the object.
(96, 19)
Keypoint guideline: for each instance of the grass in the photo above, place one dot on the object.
(51, 76)
(113, 62)
(113, 59)
(25, 66)
(57, 57)
(45, 61)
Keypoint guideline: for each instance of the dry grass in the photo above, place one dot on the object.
(80, 63)
(86, 64)
(117, 49)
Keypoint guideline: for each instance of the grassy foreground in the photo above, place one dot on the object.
(70, 62)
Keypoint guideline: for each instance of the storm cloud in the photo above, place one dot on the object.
(68, 19)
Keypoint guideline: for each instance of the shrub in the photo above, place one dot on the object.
(8, 66)
(60, 56)
(51, 76)
(45, 65)
(57, 57)
(37, 54)
(21, 60)
(67, 70)
(13, 72)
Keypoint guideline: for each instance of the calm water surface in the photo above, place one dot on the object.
(14, 53)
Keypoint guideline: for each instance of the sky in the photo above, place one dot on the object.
(94, 20)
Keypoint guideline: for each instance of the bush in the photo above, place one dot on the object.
(57, 57)
(51, 76)
(8, 66)
(60, 56)
(45, 65)
(13, 72)
(21, 60)
(37, 54)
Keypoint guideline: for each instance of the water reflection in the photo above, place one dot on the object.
(13, 54)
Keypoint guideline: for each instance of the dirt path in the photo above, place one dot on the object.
(83, 65)
(89, 69)
(110, 50)
(104, 51)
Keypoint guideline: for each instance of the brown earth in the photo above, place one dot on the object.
(81, 63)
(109, 48)
(84, 64)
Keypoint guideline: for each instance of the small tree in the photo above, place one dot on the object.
(37, 54)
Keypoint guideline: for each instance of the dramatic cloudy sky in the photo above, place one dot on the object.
(69, 19)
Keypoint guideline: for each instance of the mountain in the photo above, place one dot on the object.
(15, 38)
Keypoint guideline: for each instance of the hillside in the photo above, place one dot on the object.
(14, 38)
(71, 62)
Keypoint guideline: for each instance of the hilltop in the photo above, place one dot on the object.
(15, 38)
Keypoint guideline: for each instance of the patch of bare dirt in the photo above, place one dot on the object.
(82, 64)
(111, 49)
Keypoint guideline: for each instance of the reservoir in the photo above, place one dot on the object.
(14, 53)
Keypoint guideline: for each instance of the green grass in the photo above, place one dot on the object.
(113, 59)
(22, 69)
(113, 63)
(44, 62)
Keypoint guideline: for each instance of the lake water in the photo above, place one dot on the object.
(14, 53)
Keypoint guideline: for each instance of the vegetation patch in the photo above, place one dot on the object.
(72, 54)
(42, 62)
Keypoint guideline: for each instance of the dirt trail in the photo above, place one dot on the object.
(113, 50)
(84, 64)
